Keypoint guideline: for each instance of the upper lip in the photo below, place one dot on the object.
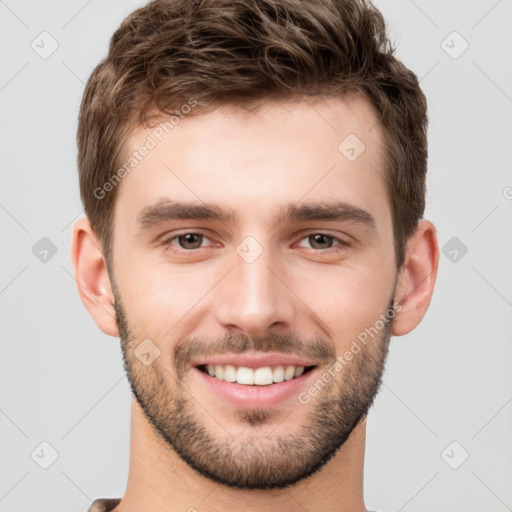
(254, 360)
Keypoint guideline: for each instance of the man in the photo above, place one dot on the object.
(253, 174)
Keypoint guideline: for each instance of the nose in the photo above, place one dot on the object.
(254, 297)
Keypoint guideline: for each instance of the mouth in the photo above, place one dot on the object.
(254, 380)
(259, 376)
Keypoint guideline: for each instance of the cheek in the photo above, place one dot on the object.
(348, 300)
(159, 298)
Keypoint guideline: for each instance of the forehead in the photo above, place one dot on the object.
(259, 160)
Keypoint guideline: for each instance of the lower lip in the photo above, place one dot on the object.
(255, 397)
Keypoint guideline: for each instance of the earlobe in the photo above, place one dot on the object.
(92, 278)
(417, 278)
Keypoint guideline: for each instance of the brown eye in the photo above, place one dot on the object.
(320, 241)
(190, 240)
(191, 245)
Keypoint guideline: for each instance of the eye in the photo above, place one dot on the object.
(186, 241)
(323, 241)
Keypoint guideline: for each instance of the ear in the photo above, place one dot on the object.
(416, 278)
(92, 278)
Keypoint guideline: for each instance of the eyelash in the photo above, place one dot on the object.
(342, 244)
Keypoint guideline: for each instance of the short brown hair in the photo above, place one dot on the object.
(245, 51)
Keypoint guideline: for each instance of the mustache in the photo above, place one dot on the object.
(317, 349)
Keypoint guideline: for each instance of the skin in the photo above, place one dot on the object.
(254, 163)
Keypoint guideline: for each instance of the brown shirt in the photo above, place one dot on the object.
(104, 504)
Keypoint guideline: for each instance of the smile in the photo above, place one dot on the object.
(262, 376)
(254, 379)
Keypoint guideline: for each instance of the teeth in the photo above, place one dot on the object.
(219, 370)
(289, 373)
(278, 374)
(243, 375)
(263, 376)
(260, 376)
(229, 373)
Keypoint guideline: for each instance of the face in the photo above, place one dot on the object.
(254, 277)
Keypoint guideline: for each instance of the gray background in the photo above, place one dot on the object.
(62, 380)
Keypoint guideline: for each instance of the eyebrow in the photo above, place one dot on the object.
(166, 210)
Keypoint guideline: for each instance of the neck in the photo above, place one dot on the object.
(160, 481)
